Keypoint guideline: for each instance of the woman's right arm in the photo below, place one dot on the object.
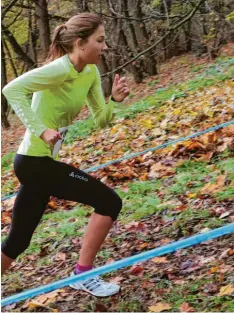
(18, 90)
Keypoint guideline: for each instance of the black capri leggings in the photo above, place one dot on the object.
(42, 177)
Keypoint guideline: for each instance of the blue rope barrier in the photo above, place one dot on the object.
(202, 132)
(8, 197)
(196, 239)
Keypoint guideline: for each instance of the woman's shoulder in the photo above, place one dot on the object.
(59, 63)
(57, 67)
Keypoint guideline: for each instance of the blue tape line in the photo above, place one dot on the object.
(196, 239)
(94, 168)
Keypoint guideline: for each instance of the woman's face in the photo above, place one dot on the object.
(92, 50)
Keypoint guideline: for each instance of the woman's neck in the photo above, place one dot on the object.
(77, 62)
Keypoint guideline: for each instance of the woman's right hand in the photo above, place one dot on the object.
(51, 136)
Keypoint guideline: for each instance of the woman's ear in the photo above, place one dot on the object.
(79, 43)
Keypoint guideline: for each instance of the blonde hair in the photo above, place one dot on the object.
(81, 26)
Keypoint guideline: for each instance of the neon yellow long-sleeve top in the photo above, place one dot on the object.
(59, 93)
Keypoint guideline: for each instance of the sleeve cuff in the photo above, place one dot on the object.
(38, 132)
(112, 99)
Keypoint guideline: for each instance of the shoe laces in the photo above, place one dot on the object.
(93, 283)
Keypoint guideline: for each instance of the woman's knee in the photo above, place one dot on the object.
(110, 206)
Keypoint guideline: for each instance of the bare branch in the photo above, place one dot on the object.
(24, 6)
(4, 12)
(150, 17)
(17, 48)
(111, 8)
(10, 58)
(172, 28)
(15, 19)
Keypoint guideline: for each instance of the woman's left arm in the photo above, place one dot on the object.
(102, 113)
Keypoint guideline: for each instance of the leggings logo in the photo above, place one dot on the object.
(78, 176)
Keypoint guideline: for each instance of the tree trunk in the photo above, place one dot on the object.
(137, 67)
(107, 82)
(17, 48)
(137, 74)
(32, 37)
(82, 5)
(150, 64)
(43, 26)
(132, 33)
(187, 33)
(4, 106)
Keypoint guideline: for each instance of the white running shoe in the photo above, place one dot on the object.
(96, 286)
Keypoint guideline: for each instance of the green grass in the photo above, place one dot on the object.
(214, 222)
(192, 293)
(7, 161)
(189, 177)
(197, 68)
(131, 305)
(140, 200)
(227, 166)
(8, 188)
(152, 83)
(225, 194)
(80, 130)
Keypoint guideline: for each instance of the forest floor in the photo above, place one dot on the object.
(169, 194)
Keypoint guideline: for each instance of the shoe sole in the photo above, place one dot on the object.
(82, 289)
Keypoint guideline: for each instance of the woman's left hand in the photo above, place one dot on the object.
(120, 88)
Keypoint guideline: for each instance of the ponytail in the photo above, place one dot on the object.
(57, 49)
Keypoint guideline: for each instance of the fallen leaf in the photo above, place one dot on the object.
(52, 205)
(34, 304)
(100, 307)
(144, 245)
(117, 279)
(159, 307)
(225, 214)
(136, 270)
(213, 188)
(185, 307)
(214, 269)
(162, 259)
(226, 290)
(231, 252)
(61, 256)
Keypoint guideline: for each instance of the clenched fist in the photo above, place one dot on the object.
(51, 136)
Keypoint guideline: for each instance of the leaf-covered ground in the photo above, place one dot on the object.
(168, 195)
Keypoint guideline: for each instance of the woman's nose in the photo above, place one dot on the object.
(104, 47)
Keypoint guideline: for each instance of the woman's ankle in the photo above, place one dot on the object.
(82, 268)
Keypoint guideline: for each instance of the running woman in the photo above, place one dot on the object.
(60, 87)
